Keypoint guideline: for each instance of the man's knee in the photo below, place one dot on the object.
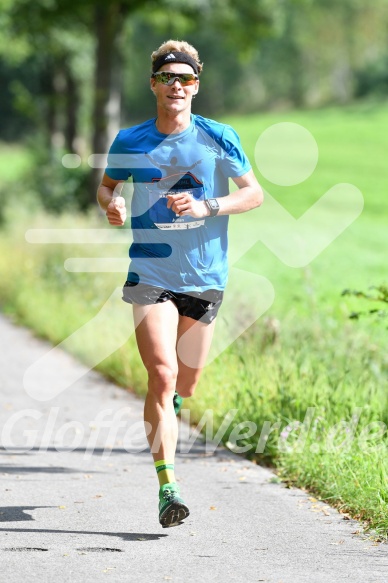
(162, 378)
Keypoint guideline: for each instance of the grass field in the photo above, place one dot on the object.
(308, 383)
(14, 160)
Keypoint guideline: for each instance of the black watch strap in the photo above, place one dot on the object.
(213, 206)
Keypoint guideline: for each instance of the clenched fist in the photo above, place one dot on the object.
(116, 211)
(183, 203)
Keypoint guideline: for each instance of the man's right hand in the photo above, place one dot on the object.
(116, 211)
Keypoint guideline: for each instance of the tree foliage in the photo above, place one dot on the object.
(75, 71)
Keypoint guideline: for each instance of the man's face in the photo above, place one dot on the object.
(174, 98)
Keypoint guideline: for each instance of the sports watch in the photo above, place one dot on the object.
(213, 206)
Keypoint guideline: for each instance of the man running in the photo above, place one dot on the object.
(180, 164)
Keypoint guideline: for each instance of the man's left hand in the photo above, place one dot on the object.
(183, 203)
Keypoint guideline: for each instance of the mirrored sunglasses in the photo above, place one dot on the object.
(168, 78)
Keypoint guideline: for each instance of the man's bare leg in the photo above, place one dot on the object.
(161, 333)
(193, 345)
(156, 334)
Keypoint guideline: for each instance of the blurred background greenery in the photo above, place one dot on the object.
(73, 73)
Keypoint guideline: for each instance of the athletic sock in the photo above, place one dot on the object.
(165, 471)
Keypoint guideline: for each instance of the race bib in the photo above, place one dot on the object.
(165, 218)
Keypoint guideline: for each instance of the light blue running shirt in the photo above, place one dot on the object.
(181, 254)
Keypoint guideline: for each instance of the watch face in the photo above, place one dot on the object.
(213, 206)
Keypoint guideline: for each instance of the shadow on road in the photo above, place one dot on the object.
(16, 513)
(125, 536)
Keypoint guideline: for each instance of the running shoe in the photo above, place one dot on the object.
(172, 509)
(178, 400)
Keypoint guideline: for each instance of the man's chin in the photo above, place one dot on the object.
(177, 103)
(176, 106)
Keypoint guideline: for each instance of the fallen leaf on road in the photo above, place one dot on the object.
(62, 507)
(275, 480)
(213, 508)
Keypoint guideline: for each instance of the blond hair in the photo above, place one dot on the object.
(177, 45)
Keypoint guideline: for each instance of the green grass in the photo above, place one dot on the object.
(303, 353)
(14, 161)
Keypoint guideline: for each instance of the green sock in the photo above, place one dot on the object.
(165, 471)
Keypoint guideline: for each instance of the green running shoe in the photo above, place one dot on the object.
(178, 400)
(172, 509)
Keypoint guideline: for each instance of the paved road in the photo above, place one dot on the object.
(89, 513)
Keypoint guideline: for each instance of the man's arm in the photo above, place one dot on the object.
(248, 196)
(113, 206)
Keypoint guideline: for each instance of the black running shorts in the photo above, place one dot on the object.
(197, 305)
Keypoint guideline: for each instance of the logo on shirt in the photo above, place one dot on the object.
(178, 182)
(176, 176)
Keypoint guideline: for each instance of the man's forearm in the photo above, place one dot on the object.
(240, 201)
(104, 196)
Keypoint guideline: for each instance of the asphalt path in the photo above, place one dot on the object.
(79, 496)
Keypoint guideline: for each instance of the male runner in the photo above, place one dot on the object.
(180, 164)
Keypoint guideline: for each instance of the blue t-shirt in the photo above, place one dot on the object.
(181, 254)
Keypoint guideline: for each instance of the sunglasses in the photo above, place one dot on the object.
(168, 78)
